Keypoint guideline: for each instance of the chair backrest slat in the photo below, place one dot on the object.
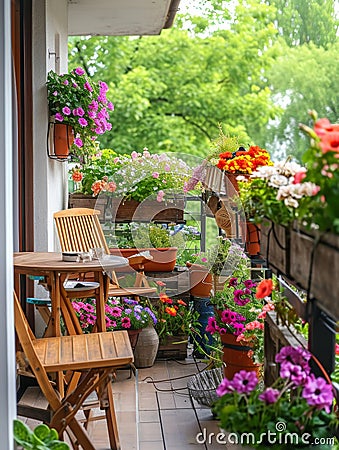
(79, 229)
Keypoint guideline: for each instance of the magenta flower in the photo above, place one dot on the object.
(110, 106)
(66, 110)
(270, 395)
(83, 122)
(249, 284)
(317, 392)
(93, 105)
(244, 382)
(78, 142)
(103, 86)
(66, 83)
(116, 311)
(59, 117)
(224, 387)
(211, 325)
(233, 282)
(88, 86)
(79, 71)
(80, 112)
(92, 114)
(126, 322)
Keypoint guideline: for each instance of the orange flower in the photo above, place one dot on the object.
(226, 155)
(329, 142)
(171, 311)
(77, 176)
(264, 288)
(181, 302)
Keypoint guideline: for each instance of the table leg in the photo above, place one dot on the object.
(101, 301)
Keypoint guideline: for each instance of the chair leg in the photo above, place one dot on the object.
(111, 420)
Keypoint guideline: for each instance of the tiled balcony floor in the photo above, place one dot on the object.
(160, 416)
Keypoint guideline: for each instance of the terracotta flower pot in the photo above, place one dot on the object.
(63, 138)
(236, 357)
(200, 280)
(164, 259)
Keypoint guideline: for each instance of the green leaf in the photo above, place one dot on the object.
(22, 434)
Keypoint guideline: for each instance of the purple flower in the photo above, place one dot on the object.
(55, 93)
(270, 395)
(79, 71)
(294, 372)
(59, 117)
(66, 110)
(244, 382)
(83, 122)
(110, 106)
(318, 392)
(78, 142)
(224, 387)
(92, 114)
(295, 355)
(66, 83)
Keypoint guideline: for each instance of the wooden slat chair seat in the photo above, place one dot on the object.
(96, 354)
(79, 229)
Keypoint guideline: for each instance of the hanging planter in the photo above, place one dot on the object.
(60, 138)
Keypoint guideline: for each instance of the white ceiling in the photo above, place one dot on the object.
(120, 17)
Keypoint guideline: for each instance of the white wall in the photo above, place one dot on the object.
(7, 348)
(50, 177)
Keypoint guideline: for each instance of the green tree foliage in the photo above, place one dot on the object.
(304, 21)
(306, 77)
(171, 91)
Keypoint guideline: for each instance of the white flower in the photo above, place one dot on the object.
(277, 181)
(292, 202)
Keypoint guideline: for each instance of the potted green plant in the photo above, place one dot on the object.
(81, 104)
(41, 438)
(294, 412)
(153, 238)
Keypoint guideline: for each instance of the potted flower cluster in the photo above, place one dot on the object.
(76, 101)
(294, 412)
(240, 310)
(277, 192)
(209, 270)
(134, 187)
(176, 320)
(121, 314)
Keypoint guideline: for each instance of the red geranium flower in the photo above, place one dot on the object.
(264, 288)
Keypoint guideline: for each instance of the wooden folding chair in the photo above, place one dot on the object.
(96, 355)
(79, 229)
